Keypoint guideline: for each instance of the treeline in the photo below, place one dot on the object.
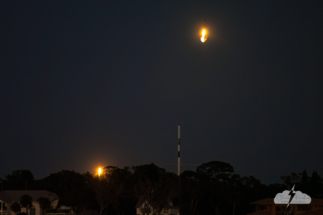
(213, 188)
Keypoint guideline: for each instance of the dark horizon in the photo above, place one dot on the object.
(97, 83)
(94, 172)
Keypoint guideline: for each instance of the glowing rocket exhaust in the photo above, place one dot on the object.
(204, 35)
(99, 171)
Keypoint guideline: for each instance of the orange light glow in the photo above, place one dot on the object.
(99, 171)
(203, 35)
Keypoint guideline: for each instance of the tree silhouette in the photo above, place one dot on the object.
(26, 202)
(315, 183)
(19, 180)
(168, 190)
(101, 187)
(151, 187)
(291, 180)
(212, 189)
(217, 170)
(15, 207)
(44, 204)
(70, 186)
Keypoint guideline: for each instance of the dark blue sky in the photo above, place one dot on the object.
(89, 83)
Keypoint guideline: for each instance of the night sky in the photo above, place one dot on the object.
(87, 83)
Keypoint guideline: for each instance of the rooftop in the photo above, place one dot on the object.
(270, 201)
(14, 195)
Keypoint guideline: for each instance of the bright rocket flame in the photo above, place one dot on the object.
(204, 37)
(99, 171)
